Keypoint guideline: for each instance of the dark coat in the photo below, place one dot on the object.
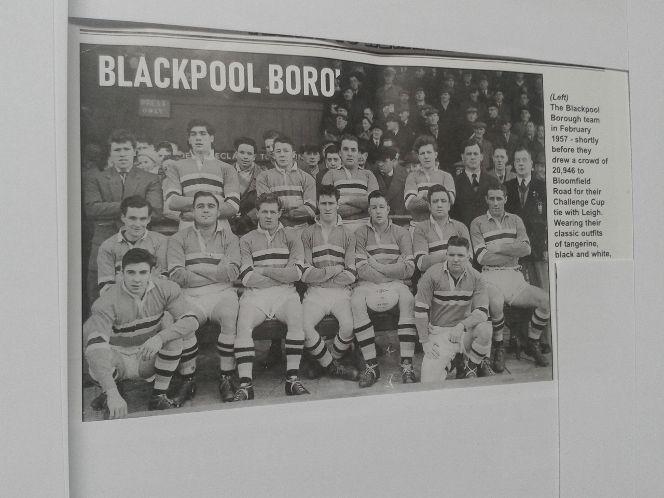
(470, 204)
(533, 213)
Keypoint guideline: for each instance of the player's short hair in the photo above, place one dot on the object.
(500, 147)
(200, 122)
(120, 137)
(376, 194)
(523, 148)
(244, 141)
(470, 143)
(165, 145)
(137, 255)
(437, 188)
(270, 135)
(145, 138)
(496, 185)
(283, 139)
(458, 241)
(204, 193)
(385, 153)
(330, 149)
(134, 201)
(268, 198)
(329, 190)
(423, 140)
(351, 138)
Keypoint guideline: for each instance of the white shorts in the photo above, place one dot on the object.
(508, 281)
(126, 362)
(433, 369)
(208, 297)
(271, 299)
(326, 297)
(382, 297)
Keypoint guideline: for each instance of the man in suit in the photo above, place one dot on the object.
(391, 179)
(506, 139)
(103, 191)
(471, 185)
(526, 197)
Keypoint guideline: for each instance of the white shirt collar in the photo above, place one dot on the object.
(121, 236)
(527, 179)
(470, 174)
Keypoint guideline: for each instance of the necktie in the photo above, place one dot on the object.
(522, 192)
(476, 184)
(123, 177)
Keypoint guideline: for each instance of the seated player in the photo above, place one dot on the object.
(499, 240)
(384, 255)
(329, 270)
(125, 337)
(419, 182)
(272, 259)
(204, 259)
(430, 236)
(451, 310)
(135, 216)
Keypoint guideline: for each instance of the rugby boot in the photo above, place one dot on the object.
(408, 372)
(340, 371)
(484, 369)
(244, 393)
(469, 369)
(370, 375)
(457, 362)
(533, 350)
(226, 388)
(498, 356)
(185, 391)
(161, 402)
(294, 387)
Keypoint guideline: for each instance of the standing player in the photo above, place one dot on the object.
(430, 237)
(135, 216)
(295, 188)
(499, 240)
(419, 182)
(201, 171)
(384, 254)
(272, 261)
(125, 337)
(354, 185)
(329, 270)
(204, 259)
(451, 309)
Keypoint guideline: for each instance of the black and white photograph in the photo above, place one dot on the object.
(261, 224)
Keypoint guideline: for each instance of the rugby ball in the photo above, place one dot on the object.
(382, 299)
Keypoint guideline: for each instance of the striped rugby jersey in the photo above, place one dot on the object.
(282, 250)
(418, 183)
(187, 176)
(446, 303)
(112, 250)
(485, 229)
(319, 252)
(429, 238)
(294, 187)
(391, 246)
(358, 183)
(187, 251)
(121, 319)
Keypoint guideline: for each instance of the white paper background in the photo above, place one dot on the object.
(601, 430)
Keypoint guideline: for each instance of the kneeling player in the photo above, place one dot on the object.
(451, 310)
(205, 260)
(329, 269)
(272, 260)
(499, 240)
(125, 337)
(384, 255)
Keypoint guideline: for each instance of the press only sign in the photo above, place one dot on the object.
(237, 77)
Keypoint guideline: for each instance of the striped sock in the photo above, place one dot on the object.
(478, 351)
(293, 350)
(537, 323)
(189, 354)
(498, 326)
(366, 338)
(340, 345)
(225, 350)
(164, 366)
(407, 336)
(320, 353)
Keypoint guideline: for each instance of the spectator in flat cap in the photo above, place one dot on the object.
(402, 138)
(485, 145)
(493, 120)
(310, 159)
(391, 178)
(523, 102)
(530, 141)
(465, 129)
(363, 128)
(506, 139)
(519, 128)
(375, 141)
(473, 100)
(333, 133)
(503, 109)
(389, 91)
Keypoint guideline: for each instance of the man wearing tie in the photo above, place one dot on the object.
(103, 191)
(471, 185)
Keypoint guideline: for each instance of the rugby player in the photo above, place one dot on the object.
(419, 182)
(451, 313)
(329, 270)
(272, 260)
(499, 240)
(384, 255)
(125, 337)
(201, 171)
(204, 259)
